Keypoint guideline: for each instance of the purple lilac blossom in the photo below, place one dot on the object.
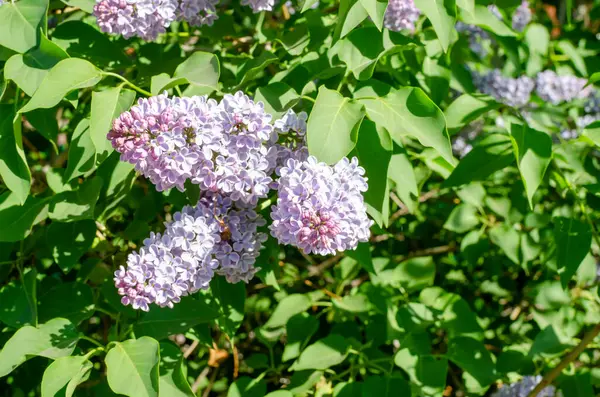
(220, 146)
(526, 386)
(521, 17)
(149, 18)
(144, 18)
(320, 208)
(511, 91)
(462, 143)
(476, 35)
(592, 105)
(401, 14)
(215, 236)
(259, 5)
(581, 123)
(558, 89)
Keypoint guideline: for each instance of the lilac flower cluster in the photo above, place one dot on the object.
(149, 18)
(526, 386)
(220, 146)
(289, 138)
(514, 92)
(581, 123)
(557, 89)
(521, 17)
(215, 236)
(461, 143)
(320, 208)
(401, 14)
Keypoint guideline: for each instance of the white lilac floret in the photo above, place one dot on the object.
(526, 386)
(514, 92)
(320, 208)
(401, 14)
(223, 147)
(558, 89)
(215, 236)
(462, 143)
(521, 17)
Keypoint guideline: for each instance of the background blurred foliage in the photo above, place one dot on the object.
(478, 271)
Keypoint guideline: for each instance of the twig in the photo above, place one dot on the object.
(324, 290)
(404, 210)
(211, 383)
(550, 376)
(427, 252)
(236, 361)
(190, 349)
(316, 270)
(200, 378)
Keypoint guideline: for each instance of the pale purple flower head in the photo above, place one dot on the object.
(198, 12)
(215, 236)
(320, 208)
(401, 14)
(558, 89)
(514, 92)
(159, 136)
(142, 18)
(259, 5)
(521, 17)
(526, 386)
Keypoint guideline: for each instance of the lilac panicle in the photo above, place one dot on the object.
(401, 14)
(558, 89)
(526, 386)
(259, 5)
(223, 147)
(214, 237)
(320, 208)
(514, 92)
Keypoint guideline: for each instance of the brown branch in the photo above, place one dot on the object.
(190, 349)
(212, 382)
(550, 376)
(236, 361)
(316, 270)
(200, 378)
(404, 210)
(427, 252)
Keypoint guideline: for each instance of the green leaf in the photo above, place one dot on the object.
(472, 356)
(592, 132)
(507, 238)
(296, 39)
(230, 300)
(333, 126)
(374, 154)
(350, 15)
(299, 329)
(484, 18)
(64, 375)
(21, 20)
(428, 373)
(323, 354)
(287, 308)
(67, 75)
(247, 387)
(408, 111)
(201, 71)
(376, 10)
(277, 97)
(28, 70)
(462, 219)
(386, 386)
(467, 108)
(493, 153)
(106, 106)
(19, 301)
(76, 205)
(573, 240)
(252, 68)
(132, 367)
(16, 219)
(442, 14)
(173, 382)
(362, 254)
(73, 301)
(44, 121)
(69, 241)
(57, 338)
(533, 150)
(401, 172)
(414, 274)
(162, 322)
(567, 48)
(13, 164)
(82, 153)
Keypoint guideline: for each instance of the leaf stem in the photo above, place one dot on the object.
(92, 340)
(550, 376)
(308, 98)
(129, 83)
